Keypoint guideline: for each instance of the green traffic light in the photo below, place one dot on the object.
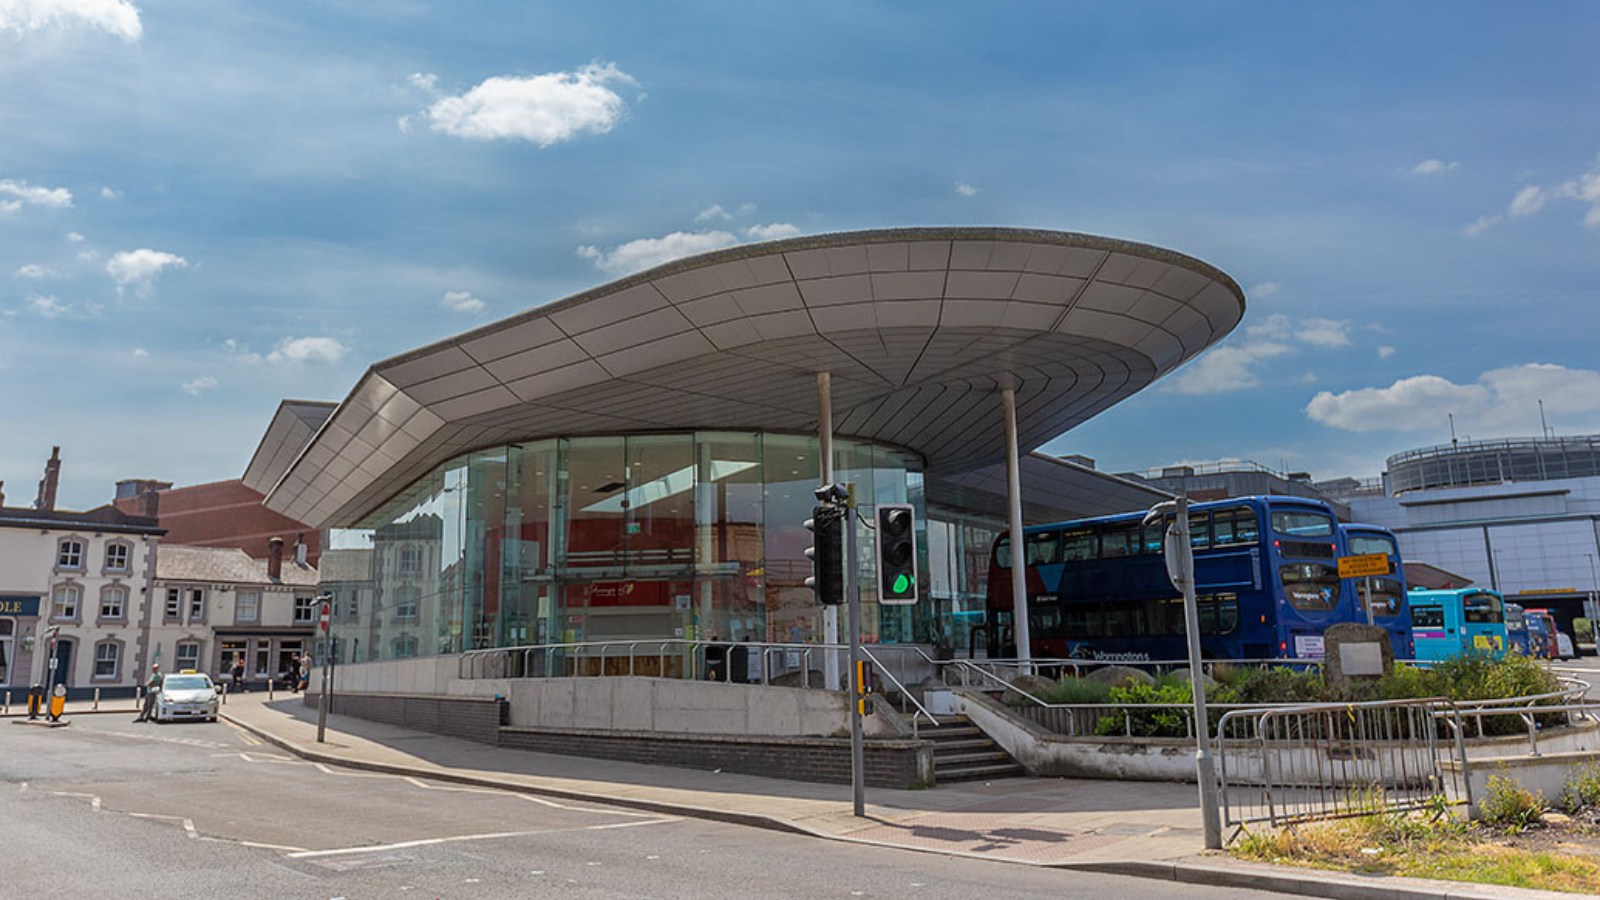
(901, 584)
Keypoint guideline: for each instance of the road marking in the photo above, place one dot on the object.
(427, 842)
(94, 801)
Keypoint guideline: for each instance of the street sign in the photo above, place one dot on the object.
(1363, 566)
(325, 616)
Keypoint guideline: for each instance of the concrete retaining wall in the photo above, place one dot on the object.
(1546, 774)
(1044, 753)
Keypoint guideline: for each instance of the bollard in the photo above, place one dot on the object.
(269, 688)
(96, 699)
(224, 693)
(8, 704)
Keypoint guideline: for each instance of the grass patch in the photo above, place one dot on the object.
(1415, 846)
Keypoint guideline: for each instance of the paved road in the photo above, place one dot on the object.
(1587, 668)
(108, 808)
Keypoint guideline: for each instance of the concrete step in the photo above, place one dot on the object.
(979, 773)
(962, 760)
(941, 748)
(950, 733)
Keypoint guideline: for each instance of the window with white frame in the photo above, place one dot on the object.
(69, 554)
(405, 645)
(114, 602)
(197, 605)
(174, 607)
(64, 601)
(247, 606)
(187, 655)
(117, 557)
(354, 607)
(107, 654)
(304, 610)
(410, 562)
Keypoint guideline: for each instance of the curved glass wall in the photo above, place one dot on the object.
(638, 537)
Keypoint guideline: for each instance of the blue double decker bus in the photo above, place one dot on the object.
(1266, 576)
(1386, 594)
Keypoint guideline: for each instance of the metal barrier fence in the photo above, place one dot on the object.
(1292, 765)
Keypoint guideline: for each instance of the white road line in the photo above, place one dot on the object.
(94, 802)
(425, 842)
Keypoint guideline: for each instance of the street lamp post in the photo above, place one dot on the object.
(1180, 568)
(324, 623)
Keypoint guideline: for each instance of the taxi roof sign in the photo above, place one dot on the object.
(1365, 565)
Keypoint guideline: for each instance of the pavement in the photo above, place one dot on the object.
(1146, 829)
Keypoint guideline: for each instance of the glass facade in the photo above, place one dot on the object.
(639, 537)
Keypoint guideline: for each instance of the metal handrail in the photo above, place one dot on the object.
(905, 693)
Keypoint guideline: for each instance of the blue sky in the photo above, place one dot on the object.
(206, 207)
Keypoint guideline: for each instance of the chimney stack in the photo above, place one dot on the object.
(300, 548)
(47, 486)
(275, 558)
(2, 493)
(149, 505)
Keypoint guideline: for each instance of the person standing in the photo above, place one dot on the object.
(237, 672)
(292, 675)
(152, 686)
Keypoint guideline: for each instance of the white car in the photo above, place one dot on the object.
(187, 695)
(1564, 646)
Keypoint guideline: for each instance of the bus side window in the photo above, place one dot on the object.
(1078, 545)
(1002, 553)
(1083, 620)
(1151, 538)
(1119, 540)
(1044, 548)
(1235, 526)
(1199, 530)
(1427, 617)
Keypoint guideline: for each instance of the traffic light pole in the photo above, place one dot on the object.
(853, 597)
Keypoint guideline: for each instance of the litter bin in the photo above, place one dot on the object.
(716, 662)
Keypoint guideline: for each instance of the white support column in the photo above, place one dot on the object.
(1019, 572)
(830, 614)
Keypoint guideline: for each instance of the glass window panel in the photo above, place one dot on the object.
(1044, 548)
(790, 466)
(658, 506)
(596, 471)
(1078, 545)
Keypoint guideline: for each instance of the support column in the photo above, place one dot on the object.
(1019, 572)
(830, 614)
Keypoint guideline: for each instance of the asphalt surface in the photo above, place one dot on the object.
(1586, 668)
(109, 808)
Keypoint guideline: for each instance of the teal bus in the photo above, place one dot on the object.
(1452, 622)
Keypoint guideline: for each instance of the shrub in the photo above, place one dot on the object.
(1509, 805)
(1078, 690)
(1583, 789)
(1276, 685)
(1149, 722)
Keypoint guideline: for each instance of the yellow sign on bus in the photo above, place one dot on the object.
(1364, 565)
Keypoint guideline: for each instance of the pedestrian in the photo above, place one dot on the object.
(152, 686)
(238, 673)
(292, 675)
(305, 671)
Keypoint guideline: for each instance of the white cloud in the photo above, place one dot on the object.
(240, 352)
(967, 190)
(423, 81)
(194, 386)
(1225, 369)
(110, 193)
(1528, 201)
(1264, 290)
(140, 267)
(1585, 188)
(53, 198)
(116, 17)
(1385, 352)
(771, 232)
(1274, 326)
(644, 253)
(35, 271)
(1502, 402)
(463, 302)
(308, 350)
(714, 211)
(1434, 167)
(140, 353)
(49, 307)
(74, 237)
(1324, 333)
(1480, 225)
(543, 109)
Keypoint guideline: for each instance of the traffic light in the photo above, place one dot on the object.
(897, 553)
(826, 554)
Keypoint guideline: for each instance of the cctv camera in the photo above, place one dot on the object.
(832, 493)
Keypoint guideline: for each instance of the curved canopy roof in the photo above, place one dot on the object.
(920, 328)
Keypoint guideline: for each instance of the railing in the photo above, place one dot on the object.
(1336, 760)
